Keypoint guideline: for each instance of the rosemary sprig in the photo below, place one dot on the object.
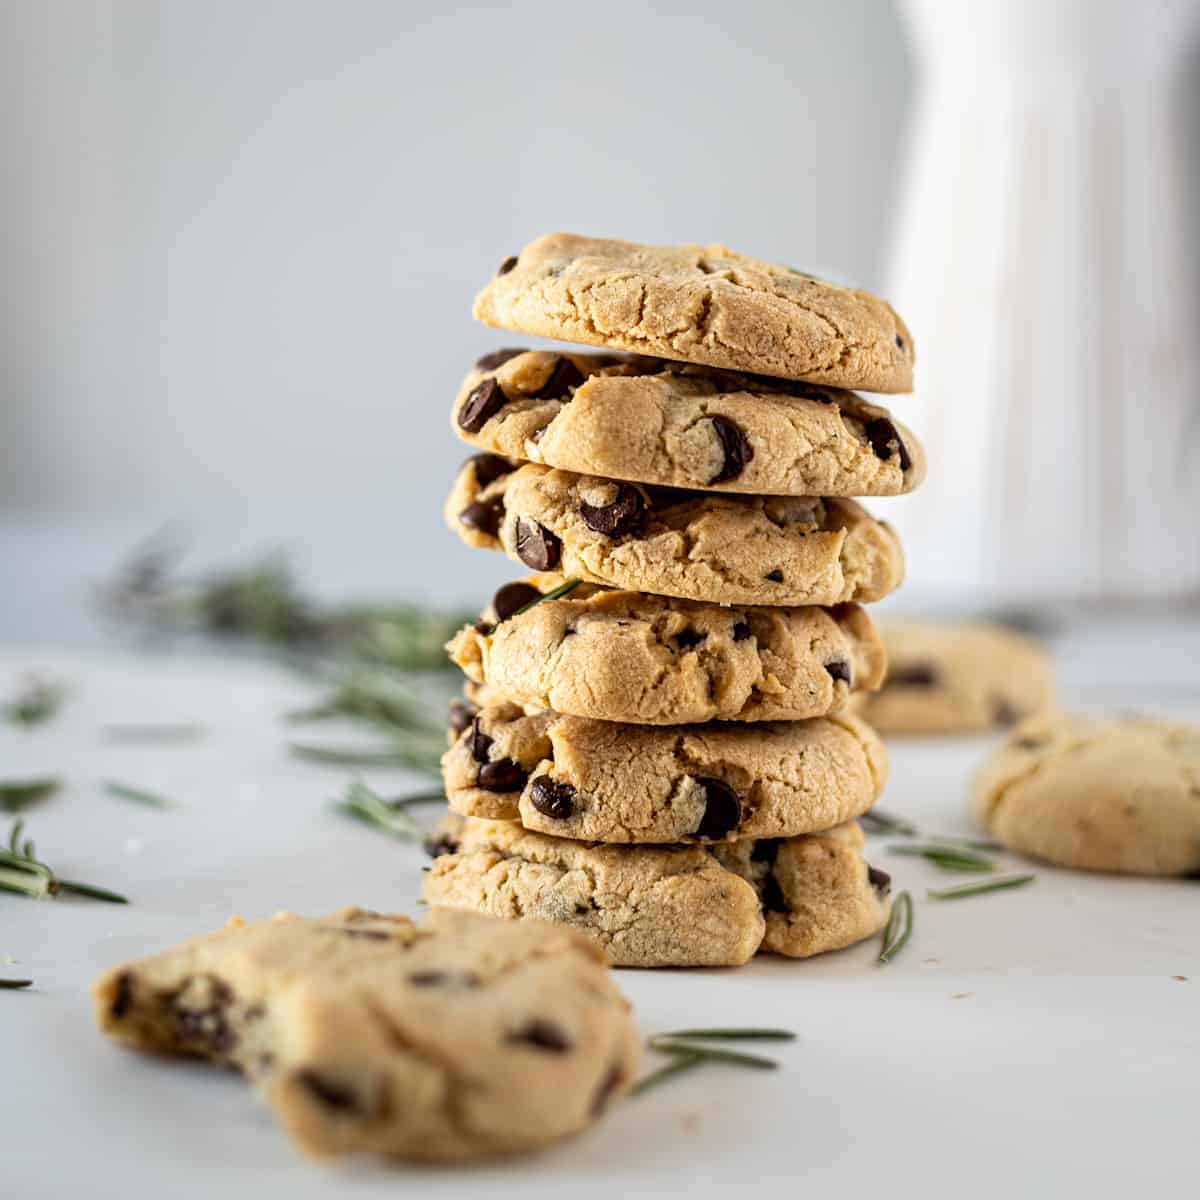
(978, 889)
(426, 760)
(878, 821)
(686, 1049)
(756, 1061)
(37, 701)
(137, 795)
(898, 929)
(384, 703)
(678, 1064)
(391, 817)
(150, 733)
(728, 1035)
(23, 873)
(16, 795)
(11, 985)
(948, 856)
(564, 589)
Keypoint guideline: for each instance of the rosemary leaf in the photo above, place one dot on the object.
(678, 1064)
(557, 593)
(137, 795)
(729, 1035)
(90, 889)
(428, 762)
(25, 875)
(898, 929)
(16, 795)
(879, 821)
(36, 702)
(11, 985)
(978, 889)
(949, 858)
(757, 1062)
(153, 734)
(366, 805)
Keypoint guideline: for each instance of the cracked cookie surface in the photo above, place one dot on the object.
(653, 660)
(956, 678)
(676, 425)
(700, 304)
(459, 1038)
(1097, 794)
(574, 777)
(674, 906)
(727, 549)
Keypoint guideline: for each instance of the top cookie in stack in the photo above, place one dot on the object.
(677, 669)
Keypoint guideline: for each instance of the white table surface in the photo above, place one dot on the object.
(1038, 1039)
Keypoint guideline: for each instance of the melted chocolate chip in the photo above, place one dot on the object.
(734, 445)
(775, 576)
(765, 850)
(123, 1000)
(917, 675)
(435, 847)
(886, 441)
(551, 798)
(331, 1095)
(565, 376)
(511, 597)
(200, 1008)
(772, 896)
(483, 628)
(482, 403)
(507, 265)
(881, 881)
(485, 515)
(543, 1034)
(502, 776)
(687, 639)
(488, 468)
(497, 358)
(478, 742)
(741, 631)
(722, 809)
(460, 715)
(623, 516)
(839, 669)
(537, 547)
(608, 1085)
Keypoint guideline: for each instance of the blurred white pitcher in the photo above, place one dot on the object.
(1046, 264)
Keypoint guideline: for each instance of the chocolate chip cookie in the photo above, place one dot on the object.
(1099, 794)
(700, 304)
(726, 549)
(574, 777)
(957, 678)
(463, 1037)
(674, 906)
(676, 425)
(653, 660)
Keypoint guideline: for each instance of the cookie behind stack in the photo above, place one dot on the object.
(655, 746)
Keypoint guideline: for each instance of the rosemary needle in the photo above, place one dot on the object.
(386, 756)
(717, 1055)
(364, 804)
(37, 702)
(978, 889)
(11, 985)
(125, 791)
(153, 734)
(948, 857)
(18, 794)
(879, 821)
(728, 1035)
(557, 593)
(21, 872)
(898, 929)
(678, 1064)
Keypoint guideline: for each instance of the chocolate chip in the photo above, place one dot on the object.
(488, 468)
(722, 809)
(916, 675)
(608, 1085)
(435, 847)
(765, 850)
(123, 1000)
(543, 1034)
(686, 639)
(255, 1012)
(734, 445)
(460, 979)
(1028, 743)
(512, 596)
(461, 713)
(565, 376)
(507, 265)
(502, 776)
(775, 576)
(741, 631)
(497, 358)
(478, 742)
(485, 515)
(551, 798)
(331, 1095)
(886, 441)
(1004, 713)
(537, 547)
(881, 881)
(772, 896)
(839, 669)
(200, 1007)
(623, 515)
(484, 628)
(899, 342)
(482, 403)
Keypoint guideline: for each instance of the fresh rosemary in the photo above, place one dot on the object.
(678, 1064)
(137, 795)
(947, 855)
(898, 929)
(978, 889)
(18, 794)
(564, 589)
(23, 873)
(11, 985)
(878, 821)
(37, 701)
(424, 759)
(389, 816)
(686, 1050)
(728, 1035)
(148, 733)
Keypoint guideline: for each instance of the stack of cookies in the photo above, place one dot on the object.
(655, 746)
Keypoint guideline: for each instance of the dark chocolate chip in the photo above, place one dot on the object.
(881, 881)
(899, 342)
(623, 516)
(255, 1012)
(482, 403)
(608, 1085)
(488, 468)
(886, 441)
(722, 809)
(565, 376)
(123, 1000)
(686, 639)
(435, 847)
(507, 265)
(543, 1034)
(460, 715)
(205, 1024)
(331, 1095)
(483, 628)
(497, 358)
(485, 515)
(537, 547)
(772, 896)
(458, 979)
(741, 631)
(1028, 743)
(775, 576)
(917, 675)
(551, 798)
(478, 742)
(1004, 713)
(765, 850)
(839, 669)
(735, 447)
(502, 776)
(512, 596)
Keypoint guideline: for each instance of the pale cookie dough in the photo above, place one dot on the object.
(676, 906)
(460, 1038)
(954, 678)
(1097, 794)
(653, 660)
(675, 425)
(763, 550)
(702, 304)
(573, 777)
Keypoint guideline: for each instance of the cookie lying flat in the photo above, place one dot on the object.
(653, 660)
(764, 550)
(678, 906)
(681, 426)
(951, 678)
(702, 304)
(573, 777)
(459, 1038)
(1097, 794)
